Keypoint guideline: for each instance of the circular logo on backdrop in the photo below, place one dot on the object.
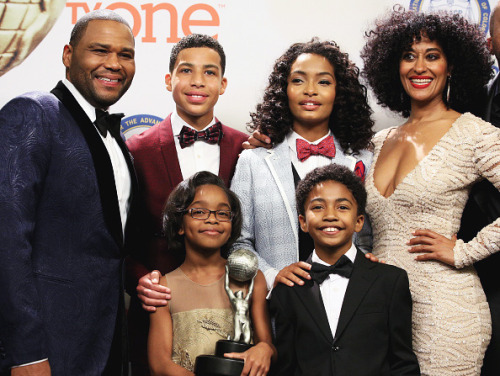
(477, 11)
(136, 124)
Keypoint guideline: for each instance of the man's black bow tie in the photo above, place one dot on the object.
(108, 122)
(320, 272)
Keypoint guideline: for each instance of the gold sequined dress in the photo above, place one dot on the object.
(201, 315)
(451, 318)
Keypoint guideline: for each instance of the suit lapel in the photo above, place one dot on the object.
(360, 282)
(134, 184)
(102, 162)
(491, 94)
(169, 153)
(310, 295)
(225, 163)
(280, 166)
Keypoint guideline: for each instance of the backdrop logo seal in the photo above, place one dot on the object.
(477, 11)
(136, 124)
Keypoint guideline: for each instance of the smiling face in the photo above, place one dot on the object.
(101, 65)
(423, 71)
(207, 234)
(331, 218)
(196, 83)
(311, 94)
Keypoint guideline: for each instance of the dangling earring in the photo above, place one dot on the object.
(448, 90)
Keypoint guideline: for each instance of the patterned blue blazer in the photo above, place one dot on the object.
(61, 242)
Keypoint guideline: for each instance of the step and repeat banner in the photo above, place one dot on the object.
(253, 33)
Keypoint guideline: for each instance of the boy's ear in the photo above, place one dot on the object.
(168, 81)
(359, 223)
(223, 86)
(303, 223)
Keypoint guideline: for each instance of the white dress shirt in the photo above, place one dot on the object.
(333, 290)
(120, 168)
(314, 161)
(199, 156)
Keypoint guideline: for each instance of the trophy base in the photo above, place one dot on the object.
(217, 365)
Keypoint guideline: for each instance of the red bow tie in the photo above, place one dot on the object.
(325, 147)
(211, 135)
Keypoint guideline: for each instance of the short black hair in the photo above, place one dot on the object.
(197, 41)
(180, 199)
(350, 120)
(463, 44)
(100, 14)
(334, 172)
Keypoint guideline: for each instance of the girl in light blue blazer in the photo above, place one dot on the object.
(315, 111)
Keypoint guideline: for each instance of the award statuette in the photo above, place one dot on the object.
(242, 265)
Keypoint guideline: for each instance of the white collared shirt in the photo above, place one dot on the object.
(121, 173)
(303, 168)
(200, 156)
(333, 290)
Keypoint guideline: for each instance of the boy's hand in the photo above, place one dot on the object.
(370, 256)
(257, 140)
(257, 359)
(294, 273)
(151, 293)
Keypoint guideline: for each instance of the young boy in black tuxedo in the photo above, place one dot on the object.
(354, 316)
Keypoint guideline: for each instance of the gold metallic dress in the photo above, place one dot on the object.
(201, 315)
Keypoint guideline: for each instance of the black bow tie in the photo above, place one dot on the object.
(108, 122)
(320, 272)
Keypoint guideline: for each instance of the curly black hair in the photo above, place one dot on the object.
(180, 199)
(337, 173)
(463, 44)
(197, 41)
(350, 119)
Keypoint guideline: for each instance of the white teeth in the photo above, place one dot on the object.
(107, 79)
(421, 81)
(310, 104)
(330, 229)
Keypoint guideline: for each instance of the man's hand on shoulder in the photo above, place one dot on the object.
(151, 293)
(257, 140)
(37, 369)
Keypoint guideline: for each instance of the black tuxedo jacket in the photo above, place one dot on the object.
(373, 336)
(61, 286)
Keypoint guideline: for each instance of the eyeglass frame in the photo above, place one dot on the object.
(190, 211)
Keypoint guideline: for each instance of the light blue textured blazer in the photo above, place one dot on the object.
(264, 182)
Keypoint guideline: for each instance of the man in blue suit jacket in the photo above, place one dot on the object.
(65, 195)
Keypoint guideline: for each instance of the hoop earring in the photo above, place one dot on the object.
(448, 81)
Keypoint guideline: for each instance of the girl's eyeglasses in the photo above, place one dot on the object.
(202, 214)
